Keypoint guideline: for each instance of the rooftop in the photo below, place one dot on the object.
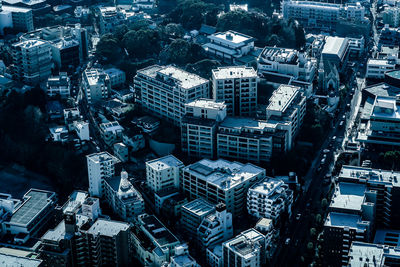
(348, 196)
(199, 207)
(224, 174)
(386, 106)
(206, 103)
(35, 202)
(123, 188)
(268, 186)
(164, 163)
(387, 237)
(244, 244)
(281, 55)
(337, 219)
(27, 44)
(107, 228)
(233, 37)
(335, 46)
(7, 259)
(95, 76)
(282, 97)
(75, 200)
(249, 123)
(381, 62)
(16, 9)
(159, 233)
(370, 175)
(362, 254)
(234, 72)
(101, 156)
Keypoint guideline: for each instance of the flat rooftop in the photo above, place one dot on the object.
(36, 201)
(349, 196)
(199, 207)
(75, 200)
(366, 254)
(337, 219)
(371, 175)
(224, 174)
(27, 44)
(234, 72)
(335, 46)
(107, 228)
(159, 233)
(245, 242)
(279, 54)
(249, 123)
(268, 186)
(386, 106)
(380, 62)
(13, 260)
(102, 156)
(16, 9)
(94, 76)
(283, 97)
(206, 103)
(233, 37)
(164, 163)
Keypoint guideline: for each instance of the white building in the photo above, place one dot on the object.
(32, 61)
(111, 132)
(108, 19)
(287, 104)
(123, 198)
(237, 87)
(215, 228)
(100, 166)
(59, 85)
(18, 18)
(117, 77)
(164, 91)
(96, 85)
(322, 15)
(214, 256)
(269, 199)
(229, 45)
(182, 258)
(246, 249)
(163, 173)
(82, 130)
(376, 68)
(221, 181)
(391, 16)
(199, 127)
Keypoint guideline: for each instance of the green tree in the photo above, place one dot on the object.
(310, 246)
(324, 203)
(318, 219)
(175, 30)
(313, 232)
(181, 52)
(142, 43)
(108, 48)
(203, 67)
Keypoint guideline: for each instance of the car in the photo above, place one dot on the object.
(341, 123)
(334, 138)
(287, 241)
(323, 161)
(298, 216)
(326, 151)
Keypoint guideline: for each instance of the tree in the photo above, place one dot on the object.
(318, 219)
(324, 203)
(142, 43)
(313, 232)
(108, 48)
(120, 31)
(175, 30)
(310, 246)
(181, 52)
(203, 67)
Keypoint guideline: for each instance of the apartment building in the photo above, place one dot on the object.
(152, 243)
(24, 219)
(192, 214)
(229, 46)
(287, 105)
(111, 132)
(100, 166)
(96, 85)
(199, 127)
(364, 254)
(269, 199)
(31, 61)
(163, 173)
(246, 249)
(123, 198)
(221, 181)
(391, 16)
(59, 85)
(182, 258)
(108, 19)
(237, 88)
(117, 77)
(18, 18)
(164, 91)
(376, 68)
(322, 15)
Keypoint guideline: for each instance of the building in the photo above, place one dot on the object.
(163, 173)
(38, 7)
(59, 85)
(287, 63)
(108, 19)
(117, 77)
(221, 181)
(246, 249)
(96, 85)
(364, 254)
(83, 237)
(287, 104)
(335, 51)
(320, 15)
(82, 130)
(376, 68)
(164, 91)
(18, 18)
(214, 256)
(153, 244)
(31, 61)
(121, 151)
(193, 214)
(24, 219)
(111, 132)
(100, 166)
(123, 198)
(382, 125)
(237, 88)
(18, 257)
(182, 258)
(269, 199)
(391, 16)
(229, 46)
(199, 127)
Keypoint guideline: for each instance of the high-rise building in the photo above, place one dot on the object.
(236, 86)
(367, 254)
(163, 173)
(269, 199)
(199, 127)
(221, 181)
(31, 61)
(18, 18)
(100, 166)
(164, 91)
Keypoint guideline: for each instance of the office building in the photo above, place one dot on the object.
(246, 249)
(269, 199)
(24, 219)
(19, 257)
(164, 91)
(287, 105)
(199, 127)
(215, 228)
(96, 85)
(376, 68)
(192, 215)
(163, 173)
(123, 198)
(31, 61)
(111, 132)
(229, 46)
(221, 181)
(237, 88)
(321, 15)
(366, 254)
(100, 166)
(59, 86)
(18, 18)
(153, 244)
